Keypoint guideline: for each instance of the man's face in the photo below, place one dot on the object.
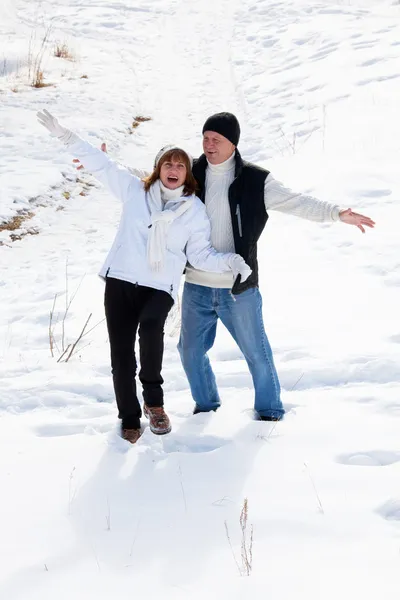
(217, 148)
(173, 174)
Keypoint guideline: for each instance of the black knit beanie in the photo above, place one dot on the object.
(226, 124)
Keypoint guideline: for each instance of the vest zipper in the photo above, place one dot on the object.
(239, 220)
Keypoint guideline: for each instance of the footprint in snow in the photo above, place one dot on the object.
(373, 458)
(205, 443)
(64, 429)
(378, 79)
(375, 193)
(371, 61)
(390, 510)
(294, 355)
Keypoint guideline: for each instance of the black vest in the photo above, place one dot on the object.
(248, 214)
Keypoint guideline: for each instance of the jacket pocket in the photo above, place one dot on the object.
(239, 220)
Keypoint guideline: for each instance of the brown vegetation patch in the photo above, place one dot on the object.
(62, 51)
(18, 236)
(16, 222)
(136, 122)
(38, 81)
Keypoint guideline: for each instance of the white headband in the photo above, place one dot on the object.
(166, 149)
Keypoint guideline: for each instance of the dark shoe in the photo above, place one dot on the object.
(198, 410)
(269, 418)
(131, 435)
(158, 419)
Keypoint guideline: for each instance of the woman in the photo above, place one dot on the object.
(163, 225)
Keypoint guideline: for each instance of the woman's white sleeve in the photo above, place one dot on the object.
(199, 252)
(117, 179)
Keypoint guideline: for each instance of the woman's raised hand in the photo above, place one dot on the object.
(77, 162)
(52, 125)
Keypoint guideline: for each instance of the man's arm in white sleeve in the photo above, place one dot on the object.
(283, 199)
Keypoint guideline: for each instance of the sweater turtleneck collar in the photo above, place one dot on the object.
(223, 167)
(167, 194)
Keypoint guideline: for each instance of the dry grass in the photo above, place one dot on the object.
(14, 237)
(36, 53)
(62, 51)
(38, 80)
(16, 222)
(246, 546)
(246, 543)
(136, 122)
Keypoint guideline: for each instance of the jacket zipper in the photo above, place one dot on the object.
(239, 220)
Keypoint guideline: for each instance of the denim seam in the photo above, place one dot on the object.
(259, 314)
(207, 373)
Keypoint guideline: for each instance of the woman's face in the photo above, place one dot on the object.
(173, 174)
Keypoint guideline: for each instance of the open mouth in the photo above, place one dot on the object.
(172, 179)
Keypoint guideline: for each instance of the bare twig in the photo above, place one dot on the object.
(135, 537)
(51, 335)
(108, 516)
(78, 339)
(94, 327)
(68, 302)
(321, 508)
(182, 488)
(64, 353)
(323, 126)
(71, 493)
(95, 556)
(66, 307)
(298, 381)
(231, 547)
(222, 501)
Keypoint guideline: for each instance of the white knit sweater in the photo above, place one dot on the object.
(276, 197)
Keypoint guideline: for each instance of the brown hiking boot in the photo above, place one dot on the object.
(158, 418)
(131, 435)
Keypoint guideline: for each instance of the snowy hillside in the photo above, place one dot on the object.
(316, 87)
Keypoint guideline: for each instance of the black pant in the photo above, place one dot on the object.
(129, 306)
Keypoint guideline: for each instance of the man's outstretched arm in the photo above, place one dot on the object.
(283, 199)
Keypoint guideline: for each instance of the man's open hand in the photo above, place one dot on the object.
(353, 218)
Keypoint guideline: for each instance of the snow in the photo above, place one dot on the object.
(316, 88)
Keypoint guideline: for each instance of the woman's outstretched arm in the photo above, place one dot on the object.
(118, 180)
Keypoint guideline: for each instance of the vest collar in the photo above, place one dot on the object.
(201, 164)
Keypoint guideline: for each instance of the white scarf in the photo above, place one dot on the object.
(161, 220)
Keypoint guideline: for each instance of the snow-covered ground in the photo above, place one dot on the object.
(316, 86)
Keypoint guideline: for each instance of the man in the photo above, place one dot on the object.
(237, 196)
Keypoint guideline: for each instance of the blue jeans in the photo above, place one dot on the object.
(242, 316)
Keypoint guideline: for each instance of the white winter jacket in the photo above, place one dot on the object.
(188, 236)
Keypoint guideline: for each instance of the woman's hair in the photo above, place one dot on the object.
(190, 184)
